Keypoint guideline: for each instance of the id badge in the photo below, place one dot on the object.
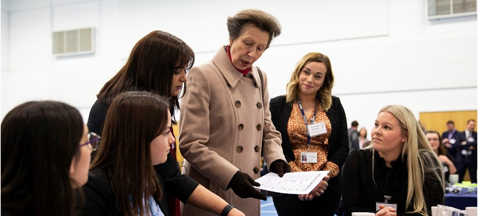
(471, 139)
(393, 205)
(316, 129)
(308, 157)
(452, 141)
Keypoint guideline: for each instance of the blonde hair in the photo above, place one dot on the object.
(324, 95)
(420, 159)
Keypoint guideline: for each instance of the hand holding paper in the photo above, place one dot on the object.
(292, 182)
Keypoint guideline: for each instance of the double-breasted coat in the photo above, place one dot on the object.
(223, 120)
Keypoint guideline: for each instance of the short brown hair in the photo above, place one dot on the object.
(261, 19)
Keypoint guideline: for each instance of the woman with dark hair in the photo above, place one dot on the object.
(309, 104)
(435, 141)
(227, 108)
(122, 180)
(45, 158)
(158, 64)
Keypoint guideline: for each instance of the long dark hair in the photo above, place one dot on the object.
(39, 141)
(150, 67)
(133, 120)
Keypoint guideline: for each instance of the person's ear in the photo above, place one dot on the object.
(405, 137)
(72, 166)
(230, 42)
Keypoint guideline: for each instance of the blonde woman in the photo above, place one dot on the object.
(309, 96)
(399, 175)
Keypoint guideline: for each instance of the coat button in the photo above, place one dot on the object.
(259, 127)
(256, 148)
(259, 105)
(238, 104)
(239, 149)
(240, 127)
(256, 169)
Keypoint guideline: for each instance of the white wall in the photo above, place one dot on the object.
(4, 59)
(382, 51)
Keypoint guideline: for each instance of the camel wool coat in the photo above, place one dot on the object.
(222, 123)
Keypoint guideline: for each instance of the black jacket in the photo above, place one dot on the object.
(338, 140)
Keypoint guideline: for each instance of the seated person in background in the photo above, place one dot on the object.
(362, 137)
(122, 180)
(400, 169)
(445, 158)
(45, 158)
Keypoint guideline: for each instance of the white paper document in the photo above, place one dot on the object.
(291, 182)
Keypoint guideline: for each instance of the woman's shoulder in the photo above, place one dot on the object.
(336, 100)
(361, 154)
(277, 99)
(98, 178)
(428, 157)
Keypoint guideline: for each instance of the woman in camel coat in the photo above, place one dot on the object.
(225, 117)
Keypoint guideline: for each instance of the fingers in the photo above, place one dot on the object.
(254, 183)
(311, 195)
(254, 192)
(258, 195)
(280, 172)
(280, 167)
(301, 197)
(386, 211)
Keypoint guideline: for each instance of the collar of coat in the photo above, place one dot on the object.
(230, 73)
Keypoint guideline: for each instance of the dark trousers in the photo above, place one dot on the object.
(324, 205)
(467, 162)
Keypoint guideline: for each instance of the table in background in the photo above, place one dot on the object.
(462, 199)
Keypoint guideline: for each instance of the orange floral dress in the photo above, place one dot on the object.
(297, 131)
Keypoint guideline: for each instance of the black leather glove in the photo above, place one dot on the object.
(280, 167)
(242, 184)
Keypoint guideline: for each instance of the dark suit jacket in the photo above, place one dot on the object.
(459, 147)
(338, 140)
(353, 139)
(451, 150)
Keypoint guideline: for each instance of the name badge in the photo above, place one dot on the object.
(452, 141)
(308, 157)
(393, 205)
(470, 139)
(316, 129)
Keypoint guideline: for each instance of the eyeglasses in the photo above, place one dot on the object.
(94, 140)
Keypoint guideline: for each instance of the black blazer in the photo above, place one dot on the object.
(101, 200)
(338, 140)
(459, 158)
(452, 149)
